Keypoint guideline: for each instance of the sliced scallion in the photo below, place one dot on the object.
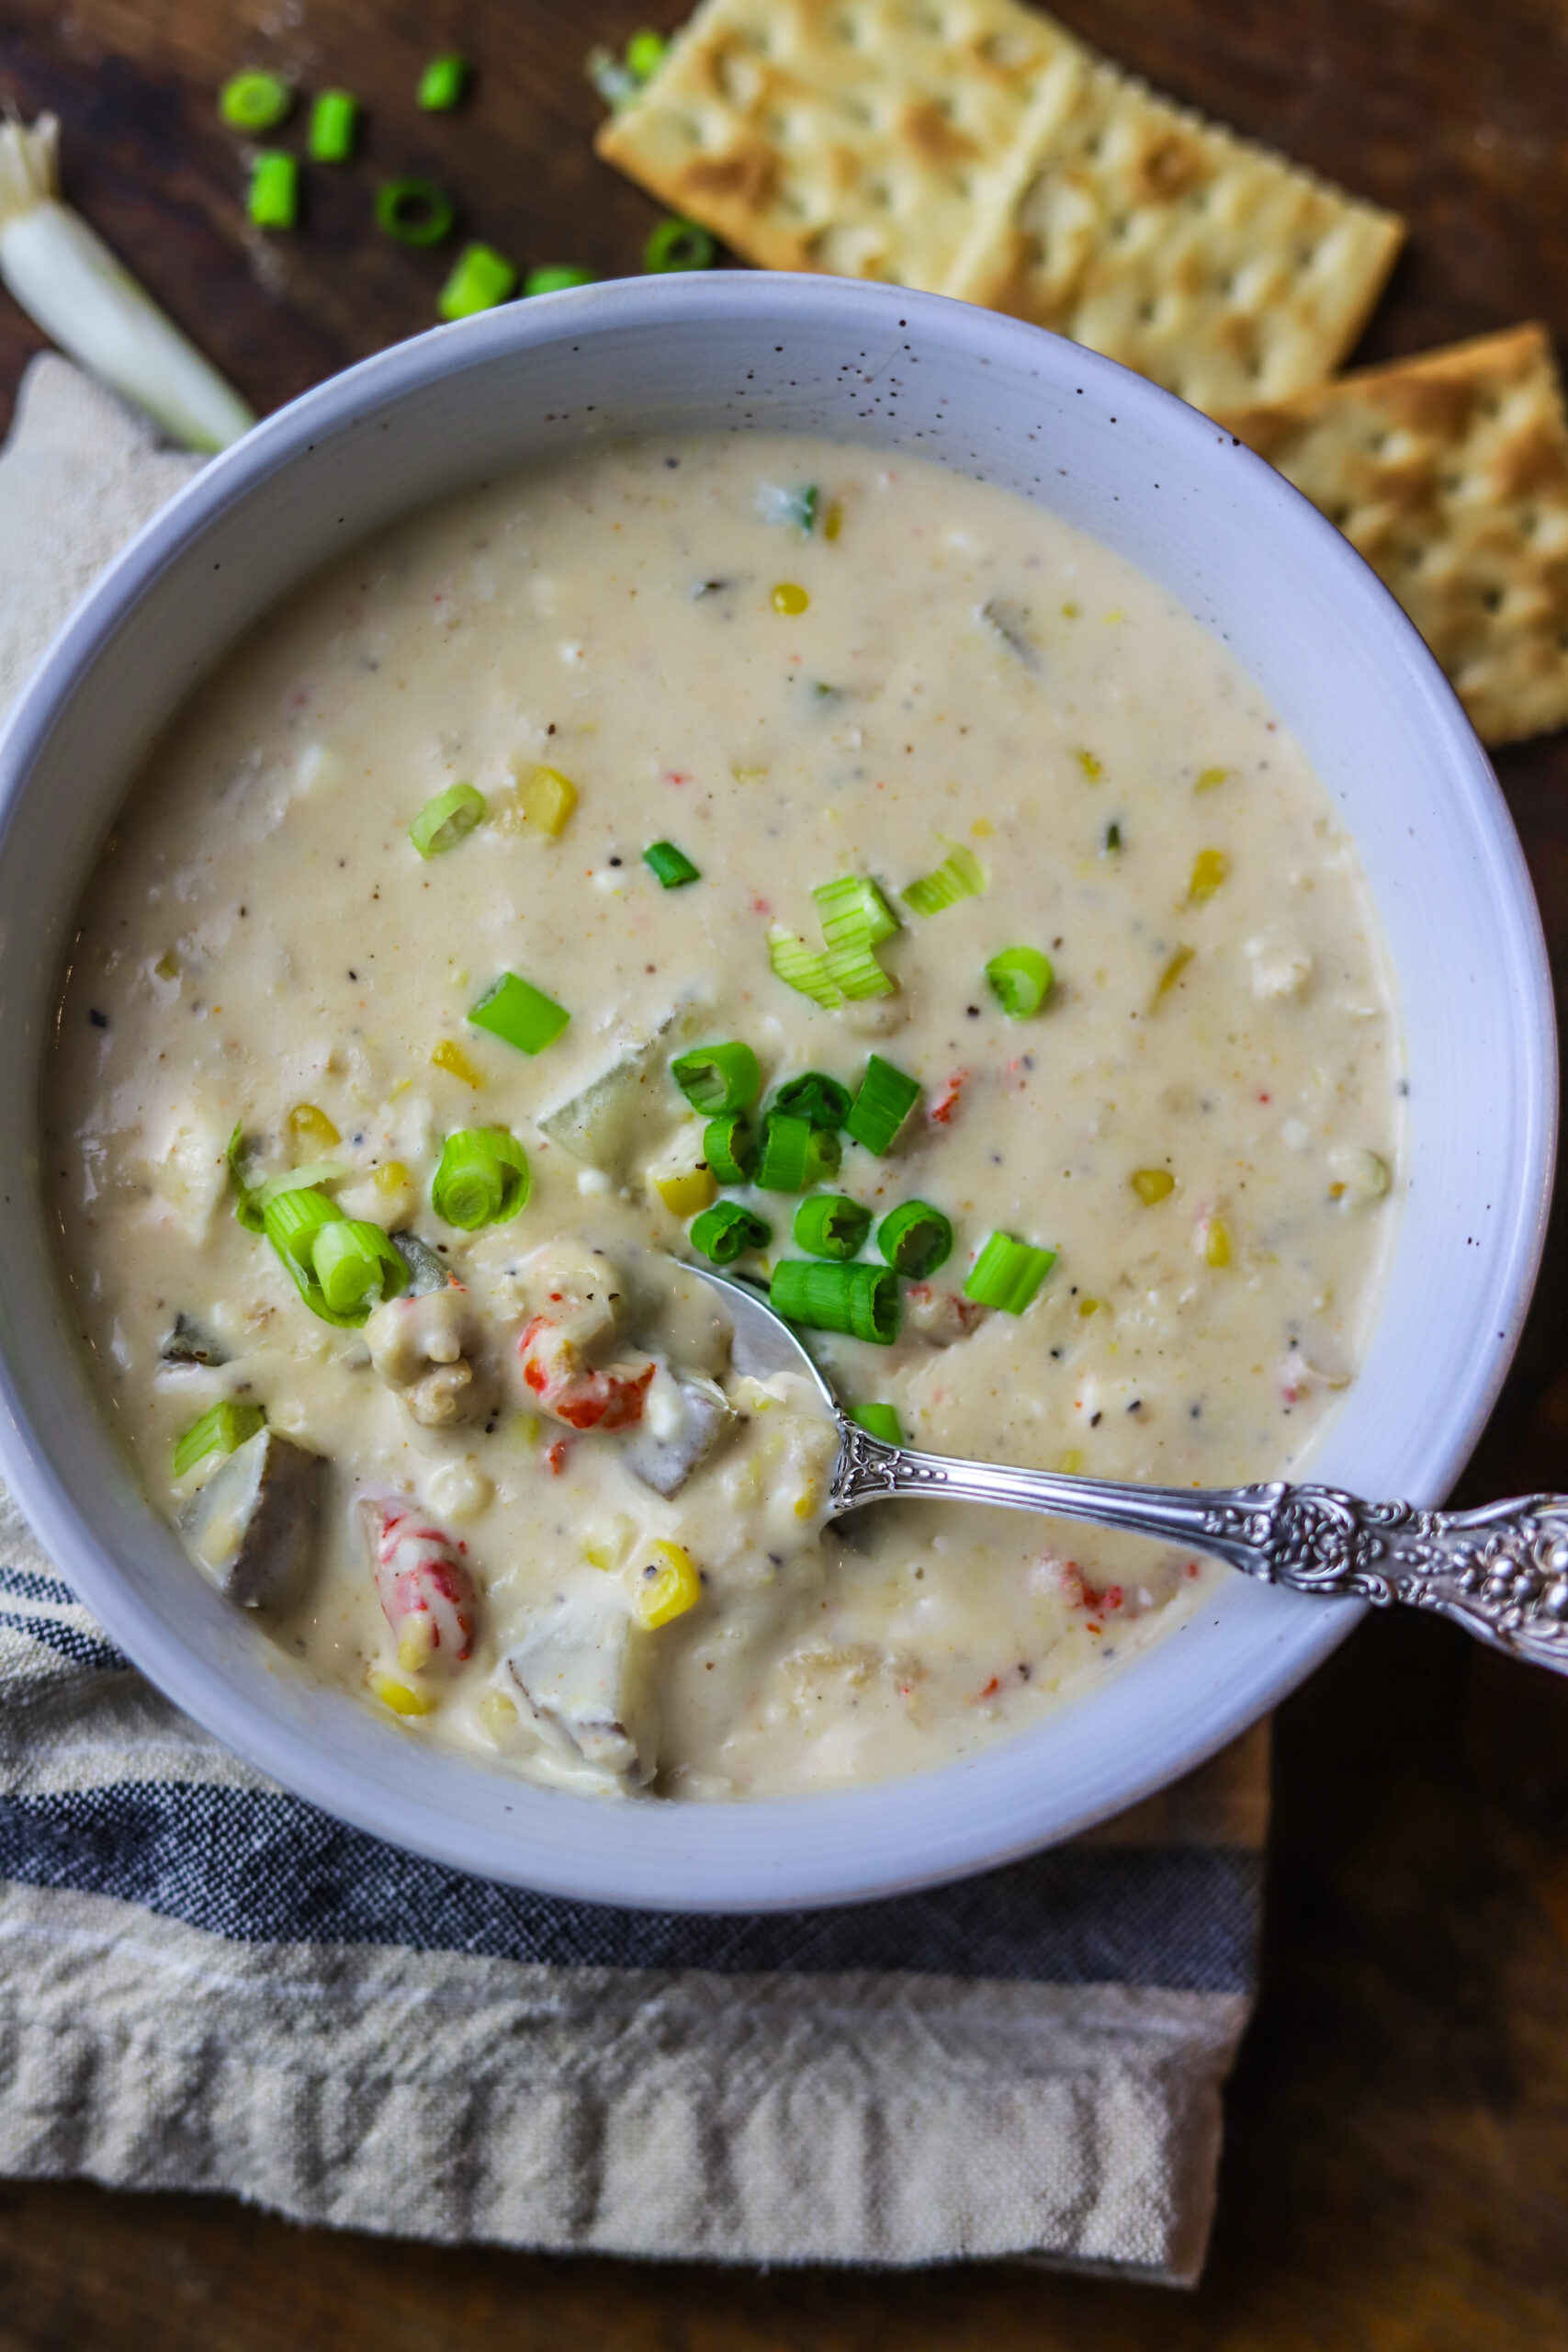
(1008, 1272)
(793, 508)
(717, 1077)
(853, 909)
(855, 970)
(480, 278)
(862, 1301)
(557, 278)
(219, 1430)
(727, 1230)
(885, 1099)
(314, 1173)
(645, 54)
(292, 1221)
(520, 1013)
(334, 118)
(356, 1267)
(677, 246)
(671, 866)
(829, 1225)
(1020, 979)
(441, 84)
(274, 199)
(959, 876)
(443, 823)
(415, 211)
(795, 1155)
(915, 1239)
(802, 968)
(729, 1148)
(880, 1421)
(483, 1179)
(247, 1208)
(814, 1096)
(255, 101)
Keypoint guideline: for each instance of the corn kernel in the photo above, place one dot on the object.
(167, 967)
(685, 1194)
(546, 800)
(1070, 1463)
(608, 1541)
(1152, 1184)
(1209, 870)
(416, 1643)
(1173, 970)
(449, 1056)
(1088, 1306)
(805, 1502)
(392, 1177)
(982, 829)
(1071, 612)
(1216, 1244)
(1210, 778)
(790, 597)
(1094, 769)
(401, 1697)
(668, 1585)
(833, 520)
(498, 1714)
(311, 1129)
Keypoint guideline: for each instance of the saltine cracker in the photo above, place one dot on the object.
(1449, 474)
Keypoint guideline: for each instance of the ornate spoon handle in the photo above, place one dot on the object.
(1501, 1571)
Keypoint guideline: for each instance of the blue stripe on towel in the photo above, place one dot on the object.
(25, 1584)
(260, 1866)
(70, 1641)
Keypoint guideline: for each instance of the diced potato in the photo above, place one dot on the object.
(585, 1670)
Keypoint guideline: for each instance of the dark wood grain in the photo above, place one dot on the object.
(1397, 2172)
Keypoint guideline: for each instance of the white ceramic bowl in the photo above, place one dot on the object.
(1155, 481)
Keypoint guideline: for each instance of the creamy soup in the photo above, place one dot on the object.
(394, 988)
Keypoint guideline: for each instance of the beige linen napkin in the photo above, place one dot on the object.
(207, 1984)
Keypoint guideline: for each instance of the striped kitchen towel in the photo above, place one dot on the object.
(207, 1984)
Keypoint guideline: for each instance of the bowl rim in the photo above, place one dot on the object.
(858, 1868)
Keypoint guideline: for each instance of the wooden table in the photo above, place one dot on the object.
(1396, 2171)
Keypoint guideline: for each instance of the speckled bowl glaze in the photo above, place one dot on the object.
(868, 365)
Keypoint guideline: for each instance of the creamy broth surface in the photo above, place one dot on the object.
(263, 948)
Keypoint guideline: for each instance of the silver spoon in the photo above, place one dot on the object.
(1501, 1572)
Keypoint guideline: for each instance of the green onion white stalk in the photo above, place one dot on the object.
(72, 286)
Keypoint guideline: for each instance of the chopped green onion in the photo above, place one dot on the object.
(729, 1148)
(483, 1179)
(1008, 1272)
(815, 1096)
(717, 1077)
(860, 1300)
(671, 864)
(557, 277)
(723, 1232)
(915, 1239)
(480, 278)
(356, 1267)
(885, 1099)
(441, 84)
(219, 1430)
(314, 1173)
(959, 876)
(273, 201)
(84, 298)
(247, 1208)
(856, 971)
(1021, 980)
(793, 509)
(880, 1421)
(292, 1223)
(795, 1155)
(333, 120)
(255, 101)
(414, 212)
(801, 968)
(829, 1225)
(853, 910)
(1112, 837)
(443, 823)
(678, 244)
(521, 1014)
(645, 54)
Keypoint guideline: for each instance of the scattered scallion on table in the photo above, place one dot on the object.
(219, 1430)
(727, 1230)
(335, 120)
(255, 101)
(678, 245)
(671, 866)
(885, 1099)
(482, 278)
(443, 823)
(795, 1155)
(880, 1421)
(915, 1239)
(415, 211)
(860, 1301)
(1008, 1272)
(1021, 980)
(831, 1224)
(274, 199)
(716, 1078)
(441, 84)
(72, 286)
(557, 277)
(521, 1014)
(483, 1179)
